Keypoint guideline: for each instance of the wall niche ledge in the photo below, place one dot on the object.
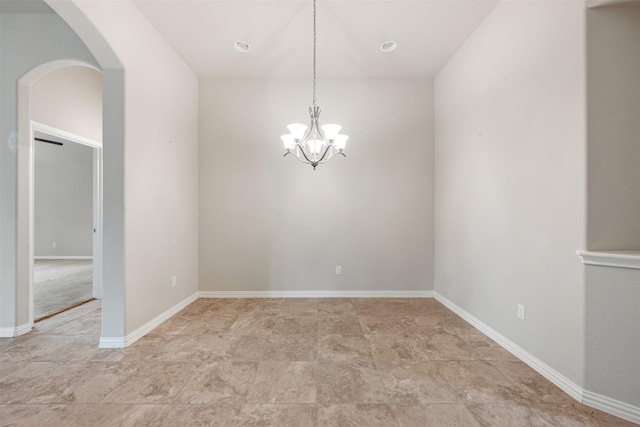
(619, 259)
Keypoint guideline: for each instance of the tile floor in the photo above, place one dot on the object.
(276, 362)
(60, 283)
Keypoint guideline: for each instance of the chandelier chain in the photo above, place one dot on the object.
(315, 144)
(314, 54)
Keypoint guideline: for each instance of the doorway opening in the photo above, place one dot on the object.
(66, 221)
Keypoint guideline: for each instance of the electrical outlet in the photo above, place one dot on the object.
(53, 244)
(520, 311)
(338, 269)
(174, 281)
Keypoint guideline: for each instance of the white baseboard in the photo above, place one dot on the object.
(603, 403)
(122, 342)
(63, 257)
(568, 386)
(17, 331)
(612, 406)
(315, 294)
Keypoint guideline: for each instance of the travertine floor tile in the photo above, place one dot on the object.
(300, 306)
(349, 383)
(439, 415)
(487, 349)
(292, 347)
(281, 415)
(335, 307)
(178, 322)
(400, 324)
(306, 323)
(356, 415)
(216, 414)
(87, 382)
(122, 415)
(577, 415)
(8, 368)
(89, 324)
(213, 325)
(37, 382)
(387, 307)
(262, 306)
(415, 383)
(254, 324)
(284, 382)
(44, 348)
(40, 415)
(456, 325)
(219, 382)
(445, 346)
(479, 382)
(154, 382)
(489, 415)
(395, 348)
(339, 324)
(354, 349)
(276, 362)
(531, 381)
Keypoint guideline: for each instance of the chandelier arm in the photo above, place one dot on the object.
(305, 155)
(327, 159)
(306, 135)
(325, 153)
(335, 153)
(304, 161)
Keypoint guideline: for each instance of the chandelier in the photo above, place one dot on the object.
(314, 144)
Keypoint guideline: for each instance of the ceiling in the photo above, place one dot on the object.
(350, 32)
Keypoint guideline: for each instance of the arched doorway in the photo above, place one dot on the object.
(15, 292)
(26, 168)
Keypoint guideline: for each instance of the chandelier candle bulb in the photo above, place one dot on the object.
(314, 145)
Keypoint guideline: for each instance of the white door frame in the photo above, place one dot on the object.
(97, 204)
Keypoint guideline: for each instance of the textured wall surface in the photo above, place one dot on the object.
(613, 108)
(273, 223)
(63, 200)
(510, 178)
(613, 335)
(69, 99)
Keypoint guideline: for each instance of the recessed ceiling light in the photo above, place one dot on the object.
(241, 46)
(389, 46)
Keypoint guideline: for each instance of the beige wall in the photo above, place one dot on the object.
(273, 223)
(63, 200)
(510, 178)
(70, 99)
(612, 343)
(613, 71)
(151, 178)
(612, 294)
